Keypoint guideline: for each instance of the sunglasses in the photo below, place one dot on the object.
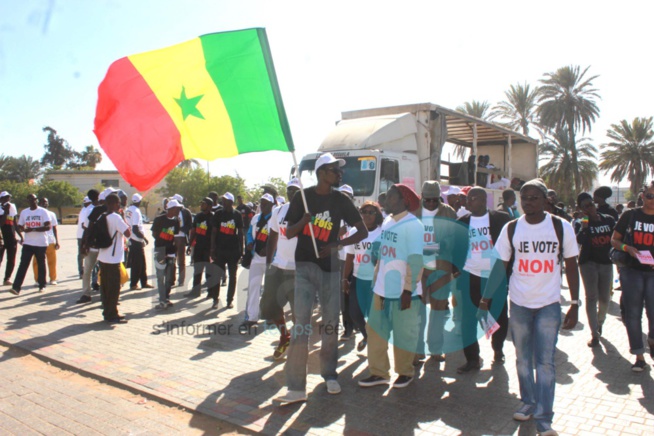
(369, 212)
(430, 200)
(649, 196)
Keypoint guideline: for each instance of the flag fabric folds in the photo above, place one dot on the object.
(214, 96)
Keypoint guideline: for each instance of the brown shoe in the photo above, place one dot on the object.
(147, 286)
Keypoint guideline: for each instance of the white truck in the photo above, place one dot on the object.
(407, 144)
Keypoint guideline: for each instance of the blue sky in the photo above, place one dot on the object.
(329, 56)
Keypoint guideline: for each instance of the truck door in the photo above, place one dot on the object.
(389, 174)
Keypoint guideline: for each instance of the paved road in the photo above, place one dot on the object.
(195, 357)
(38, 398)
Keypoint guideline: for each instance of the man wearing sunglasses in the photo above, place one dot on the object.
(326, 207)
(437, 218)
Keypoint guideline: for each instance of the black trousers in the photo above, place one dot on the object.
(469, 322)
(110, 289)
(201, 262)
(25, 259)
(227, 262)
(10, 248)
(139, 271)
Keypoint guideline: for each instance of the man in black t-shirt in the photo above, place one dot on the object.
(200, 240)
(226, 246)
(326, 208)
(164, 229)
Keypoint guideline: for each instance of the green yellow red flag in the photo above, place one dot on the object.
(211, 97)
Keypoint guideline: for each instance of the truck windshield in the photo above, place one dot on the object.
(359, 172)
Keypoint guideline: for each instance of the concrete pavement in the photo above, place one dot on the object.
(195, 357)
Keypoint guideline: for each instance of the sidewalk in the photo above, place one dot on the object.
(195, 357)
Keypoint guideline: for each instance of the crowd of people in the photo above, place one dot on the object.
(397, 271)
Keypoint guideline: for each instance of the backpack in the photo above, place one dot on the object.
(99, 236)
(558, 228)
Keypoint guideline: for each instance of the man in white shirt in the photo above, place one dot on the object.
(53, 244)
(279, 284)
(538, 248)
(83, 213)
(110, 259)
(138, 241)
(34, 222)
(397, 290)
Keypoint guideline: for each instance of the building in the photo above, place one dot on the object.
(89, 179)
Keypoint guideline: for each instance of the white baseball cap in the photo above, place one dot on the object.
(86, 200)
(326, 159)
(281, 200)
(4, 194)
(228, 196)
(173, 203)
(268, 197)
(178, 197)
(452, 190)
(347, 189)
(136, 198)
(294, 182)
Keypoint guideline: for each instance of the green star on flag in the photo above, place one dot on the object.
(189, 105)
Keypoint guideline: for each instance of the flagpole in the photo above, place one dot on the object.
(306, 206)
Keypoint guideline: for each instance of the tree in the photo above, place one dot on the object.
(22, 169)
(189, 183)
(58, 154)
(90, 157)
(60, 193)
(254, 194)
(567, 101)
(189, 164)
(19, 192)
(557, 150)
(476, 109)
(630, 154)
(519, 108)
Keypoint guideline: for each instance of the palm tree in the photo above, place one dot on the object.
(567, 100)
(23, 169)
(189, 164)
(631, 152)
(478, 109)
(557, 151)
(90, 157)
(519, 108)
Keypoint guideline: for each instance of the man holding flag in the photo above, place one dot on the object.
(327, 208)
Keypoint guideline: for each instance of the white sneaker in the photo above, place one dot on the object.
(54, 282)
(291, 397)
(333, 387)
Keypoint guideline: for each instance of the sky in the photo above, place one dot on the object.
(330, 56)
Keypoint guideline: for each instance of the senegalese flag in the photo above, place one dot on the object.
(214, 96)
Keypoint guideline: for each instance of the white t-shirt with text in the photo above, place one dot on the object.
(363, 267)
(33, 219)
(285, 253)
(536, 277)
(480, 251)
(398, 240)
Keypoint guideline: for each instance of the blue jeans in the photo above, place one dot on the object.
(309, 280)
(637, 291)
(535, 332)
